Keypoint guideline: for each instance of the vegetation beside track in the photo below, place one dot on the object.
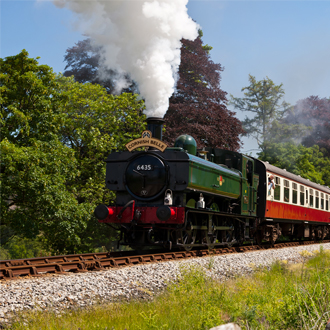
(284, 297)
(22, 248)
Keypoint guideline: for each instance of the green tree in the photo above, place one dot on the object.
(281, 132)
(96, 123)
(56, 135)
(35, 165)
(299, 141)
(30, 102)
(22, 247)
(310, 163)
(263, 99)
(34, 194)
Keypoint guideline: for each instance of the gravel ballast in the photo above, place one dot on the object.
(60, 292)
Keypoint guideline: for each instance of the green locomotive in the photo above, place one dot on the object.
(180, 196)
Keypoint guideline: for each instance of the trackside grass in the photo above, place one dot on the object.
(284, 297)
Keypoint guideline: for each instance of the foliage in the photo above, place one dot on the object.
(96, 123)
(56, 134)
(263, 99)
(21, 247)
(30, 102)
(34, 196)
(281, 132)
(35, 165)
(85, 63)
(198, 106)
(300, 141)
(4, 253)
(284, 297)
(309, 163)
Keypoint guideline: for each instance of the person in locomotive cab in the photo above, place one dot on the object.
(271, 183)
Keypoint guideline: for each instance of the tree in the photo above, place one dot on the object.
(198, 106)
(280, 131)
(34, 194)
(57, 134)
(300, 141)
(263, 99)
(30, 102)
(97, 123)
(310, 163)
(35, 165)
(85, 63)
(314, 112)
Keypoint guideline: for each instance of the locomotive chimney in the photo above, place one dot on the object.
(155, 125)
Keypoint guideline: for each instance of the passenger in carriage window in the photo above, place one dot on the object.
(271, 183)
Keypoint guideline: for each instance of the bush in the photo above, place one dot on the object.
(20, 248)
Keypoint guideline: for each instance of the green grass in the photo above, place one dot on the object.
(284, 297)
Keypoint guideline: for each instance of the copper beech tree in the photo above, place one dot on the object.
(199, 106)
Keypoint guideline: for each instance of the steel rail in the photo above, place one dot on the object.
(33, 267)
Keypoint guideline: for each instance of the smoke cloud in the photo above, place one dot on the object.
(141, 38)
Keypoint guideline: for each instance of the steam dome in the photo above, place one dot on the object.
(186, 142)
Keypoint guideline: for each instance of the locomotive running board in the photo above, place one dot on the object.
(210, 211)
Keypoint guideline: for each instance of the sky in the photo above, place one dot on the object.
(286, 41)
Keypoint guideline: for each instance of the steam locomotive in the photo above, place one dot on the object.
(184, 197)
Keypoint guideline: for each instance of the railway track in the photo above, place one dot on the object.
(77, 263)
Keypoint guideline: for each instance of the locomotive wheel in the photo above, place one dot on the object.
(188, 237)
(210, 241)
(230, 239)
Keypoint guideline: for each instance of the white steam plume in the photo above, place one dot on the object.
(140, 37)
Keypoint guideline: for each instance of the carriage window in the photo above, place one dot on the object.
(327, 203)
(294, 193)
(322, 201)
(302, 195)
(311, 198)
(286, 190)
(277, 192)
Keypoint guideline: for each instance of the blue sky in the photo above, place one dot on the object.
(287, 41)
